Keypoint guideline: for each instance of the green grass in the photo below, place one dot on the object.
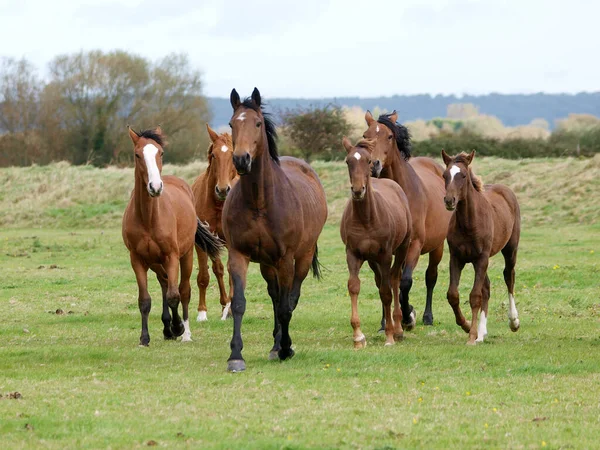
(85, 383)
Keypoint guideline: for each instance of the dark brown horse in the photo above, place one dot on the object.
(272, 216)
(210, 191)
(159, 229)
(421, 180)
(376, 227)
(486, 220)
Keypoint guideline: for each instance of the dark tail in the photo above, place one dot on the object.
(207, 241)
(316, 265)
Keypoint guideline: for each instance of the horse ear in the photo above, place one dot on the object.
(369, 117)
(211, 133)
(158, 130)
(470, 158)
(447, 159)
(394, 116)
(234, 98)
(256, 97)
(347, 144)
(133, 135)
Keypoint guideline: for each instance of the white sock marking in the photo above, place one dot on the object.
(357, 156)
(226, 311)
(453, 171)
(150, 151)
(224, 149)
(513, 314)
(359, 338)
(187, 334)
(201, 316)
(242, 116)
(481, 327)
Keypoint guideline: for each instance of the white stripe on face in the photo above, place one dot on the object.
(453, 171)
(357, 156)
(242, 116)
(377, 129)
(224, 148)
(150, 151)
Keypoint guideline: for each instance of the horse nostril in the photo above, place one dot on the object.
(228, 189)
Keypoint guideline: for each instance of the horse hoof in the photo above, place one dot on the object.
(466, 326)
(236, 365)
(427, 320)
(286, 354)
(201, 316)
(178, 331)
(142, 345)
(398, 337)
(514, 325)
(388, 343)
(408, 326)
(273, 355)
(381, 330)
(471, 342)
(186, 337)
(361, 343)
(226, 313)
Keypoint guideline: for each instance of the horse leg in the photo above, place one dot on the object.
(475, 298)
(395, 275)
(412, 258)
(173, 294)
(456, 268)
(385, 294)
(161, 276)
(144, 301)
(238, 268)
(270, 276)
(485, 299)
(285, 280)
(185, 290)
(219, 271)
(377, 275)
(354, 265)
(202, 280)
(510, 260)
(431, 276)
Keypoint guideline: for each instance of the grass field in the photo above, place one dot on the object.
(85, 383)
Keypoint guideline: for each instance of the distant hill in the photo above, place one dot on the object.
(512, 110)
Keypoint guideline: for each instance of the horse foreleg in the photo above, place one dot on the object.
(173, 296)
(475, 298)
(510, 260)
(202, 280)
(219, 272)
(185, 290)
(385, 294)
(161, 276)
(456, 268)
(377, 275)
(144, 301)
(412, 258)
(431, 276)
(285, 280)
(354, 265)
(238, 268)
(270, 276)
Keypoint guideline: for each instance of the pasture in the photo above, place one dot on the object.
(70, 332)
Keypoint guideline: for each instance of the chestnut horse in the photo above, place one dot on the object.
(272, 216)
(422, 182)
(376, 227)
(210, 191)
(159, 229)
(486, 220)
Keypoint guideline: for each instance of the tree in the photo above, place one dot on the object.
(316, 131)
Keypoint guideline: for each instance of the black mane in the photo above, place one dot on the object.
(400, 132)
(269, 128)
(152, 134)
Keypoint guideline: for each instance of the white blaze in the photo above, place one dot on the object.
(224, 148)
(377, 129)
(453, 171)
(150, 151)
(357, 156)
(242, 116)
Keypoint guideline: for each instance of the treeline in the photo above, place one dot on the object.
(80, 112)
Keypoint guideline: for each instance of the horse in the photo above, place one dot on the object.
(422, 182)
(272, 216)
(376, 227)
(486, 220)
(159, 230)
(210, 191)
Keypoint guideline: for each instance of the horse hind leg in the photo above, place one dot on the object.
(173, 296)
(144, 300)
(377, 274)
(161, 276)
(431, 276)
(412, 258)
(219, 272)
(510, 259)
(270, 276)
(354, 265)
(202, 280)
(185, 291)
(395, 275)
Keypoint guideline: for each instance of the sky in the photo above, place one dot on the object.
(335, 48)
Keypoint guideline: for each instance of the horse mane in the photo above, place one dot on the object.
(228, 142)
(270, 128)
(400, 132)
(462, 157)
(152, 134)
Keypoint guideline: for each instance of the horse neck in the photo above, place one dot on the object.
(467, 209)
(365, 210)
(210, 181)
(146, 207)
(257, 186)
(402, 173)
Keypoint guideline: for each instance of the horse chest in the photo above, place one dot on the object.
(258, 242)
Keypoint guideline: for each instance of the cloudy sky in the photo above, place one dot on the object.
(316, 48)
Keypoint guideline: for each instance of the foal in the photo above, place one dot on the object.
(484, 222)
(159, 229)
(210, 191)
(376, 227)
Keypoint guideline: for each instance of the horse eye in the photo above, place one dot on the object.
(369, 161)
(137, 156)
(230, 126)
(390, 137)
(258, 124)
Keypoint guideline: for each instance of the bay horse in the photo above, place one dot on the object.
(272, 216)
(159, 230)
(422, 182)
(210, 191)
(486, 220)
(376, 227)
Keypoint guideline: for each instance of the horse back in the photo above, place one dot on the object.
(506, 214)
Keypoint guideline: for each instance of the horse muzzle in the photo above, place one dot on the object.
(242, 163)
(155, 191)
(450, 203)
(376, 168)
(222, 193)
(358, 195)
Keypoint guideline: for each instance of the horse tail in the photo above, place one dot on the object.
(316, 265)
(207, 241)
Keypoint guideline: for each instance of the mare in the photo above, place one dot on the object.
(272, 216)
(376, 227)
(159, 230)
(210, 191)
(486, 220)
(422, 182)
